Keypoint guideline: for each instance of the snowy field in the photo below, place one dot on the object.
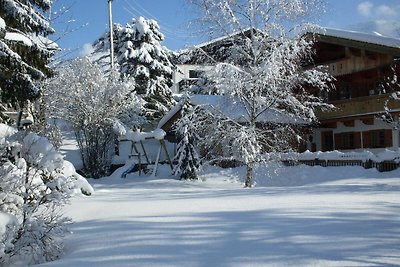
(299, 216)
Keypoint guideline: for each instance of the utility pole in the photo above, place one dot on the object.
(111, 36)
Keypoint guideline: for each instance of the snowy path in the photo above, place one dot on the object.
(163, 222)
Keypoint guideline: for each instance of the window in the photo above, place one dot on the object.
(377, 138)
(327, 140)
(195, 74)
(345, 93)
(347, 140)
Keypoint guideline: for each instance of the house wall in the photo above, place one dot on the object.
(361, 134)
(361, 92)
(183, 73)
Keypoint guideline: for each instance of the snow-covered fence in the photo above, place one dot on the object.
(387, 160)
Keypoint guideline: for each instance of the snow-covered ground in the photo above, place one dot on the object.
(298, 216)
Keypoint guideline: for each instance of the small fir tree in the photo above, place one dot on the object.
(187, 158)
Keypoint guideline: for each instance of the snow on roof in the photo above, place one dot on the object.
(359, 36)
(137, 136)
(14, 36)
(170, 114)
(215, 40)
(235, 110)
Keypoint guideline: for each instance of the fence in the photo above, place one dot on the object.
(383, 166)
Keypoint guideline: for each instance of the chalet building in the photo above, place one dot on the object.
(363, 66)
(195, 61)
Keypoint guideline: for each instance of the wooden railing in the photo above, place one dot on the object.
(380, 166)
(358, 106)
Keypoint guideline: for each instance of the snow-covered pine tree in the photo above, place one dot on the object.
(144, 61)
(263, 75)
(186, 158)
(142, 57)
(25, 50)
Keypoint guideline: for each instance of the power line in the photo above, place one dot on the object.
(166, 28)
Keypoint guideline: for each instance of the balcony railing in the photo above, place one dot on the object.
(358, 106)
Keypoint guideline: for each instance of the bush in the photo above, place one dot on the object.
(35, 183)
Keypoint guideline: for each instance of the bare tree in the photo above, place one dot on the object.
(264, 74)
(92, 103)
(392, 86)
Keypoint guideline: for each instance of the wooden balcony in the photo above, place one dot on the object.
(360, 106)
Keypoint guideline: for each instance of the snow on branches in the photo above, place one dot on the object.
(35, 183)
(143, 61)
(82, 95)
(264, 69)
(25, 50)
(187, 158)
(392, 86)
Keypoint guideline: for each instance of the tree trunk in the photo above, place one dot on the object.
(249, 176)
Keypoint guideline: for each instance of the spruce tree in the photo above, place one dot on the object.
(24, 49)
(187, 158)
(142, 60)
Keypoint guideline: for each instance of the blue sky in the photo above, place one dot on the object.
(88, 19)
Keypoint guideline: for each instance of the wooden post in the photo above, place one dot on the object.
(145, 153)
(156, 163)
(162, 142)
(134, 148)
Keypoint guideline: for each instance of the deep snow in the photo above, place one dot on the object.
(298, 216)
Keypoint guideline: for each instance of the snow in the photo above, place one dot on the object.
(2, 24)
(137, 136)
(386, 155)
(5, 219)
(172, 112)
(44, 42)
(80, 182)
(13, 36)
(295, 216)
(159, 134)
(141, 26)
(119, 128)
(359, 36)
(235, 110)
(6, 131)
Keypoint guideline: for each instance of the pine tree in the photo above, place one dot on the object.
(188, 161)
(141, 59)
(24, 49)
